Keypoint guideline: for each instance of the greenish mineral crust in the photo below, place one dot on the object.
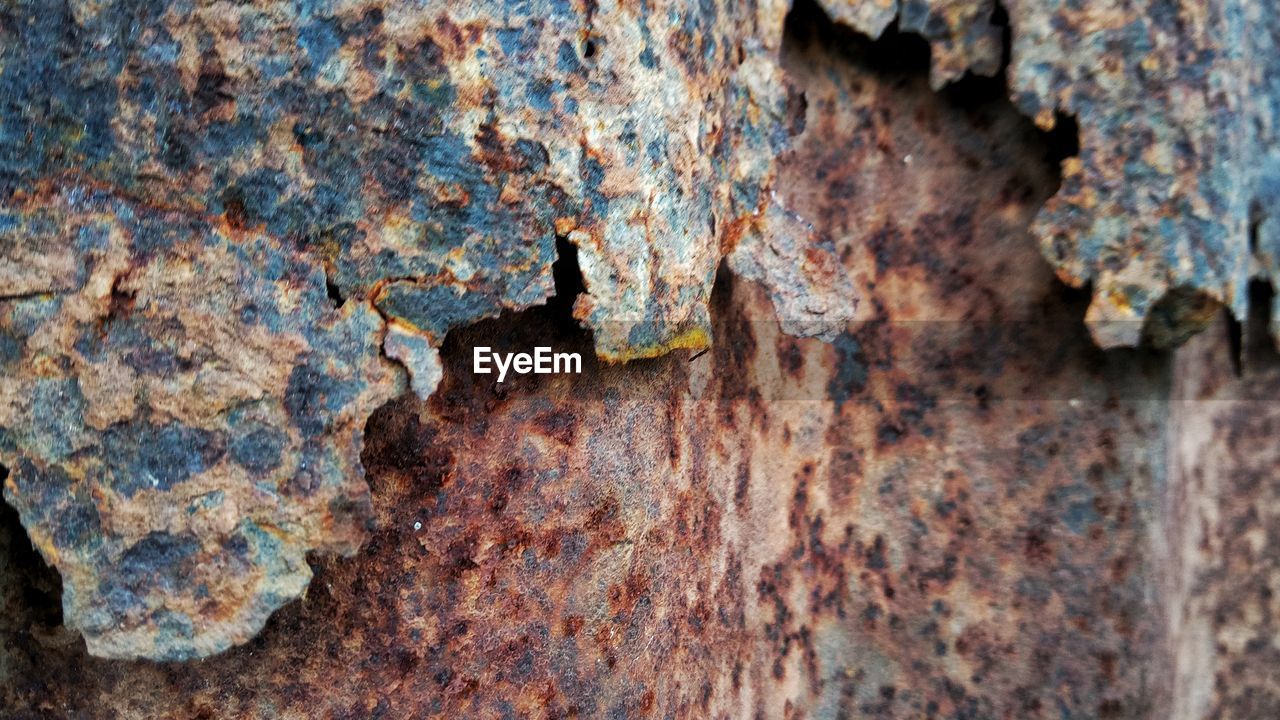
(1168, 203)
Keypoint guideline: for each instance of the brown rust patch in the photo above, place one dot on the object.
(783, 560)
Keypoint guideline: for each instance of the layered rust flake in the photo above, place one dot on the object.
(182, 410)
(946, 512)
(1165, 211)
(428, 153)
(189, 186)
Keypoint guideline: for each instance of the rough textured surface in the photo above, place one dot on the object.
(811, 292)
(948, 512)
(185, 411)
(1223, 523)
(186, 185)
(1167, 206)
(427, 153)
(957, 508)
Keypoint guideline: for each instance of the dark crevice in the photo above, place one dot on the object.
(1252, 345)
(551, 324)
(1063, 141)
(972, 92)
(39, 599)
(121, 302)
(894, 54)
(589, 47)
(511, 330)
(568, 284)
(1256, 217)
(1259, 348)
(332, 290)
(1235, 341)
(1235, 328)
(233, 209)
(904, 57)
(1000, 18)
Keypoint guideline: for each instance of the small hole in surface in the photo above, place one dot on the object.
(333, 291)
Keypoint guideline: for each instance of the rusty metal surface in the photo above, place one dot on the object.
(427, 153)
(184, 409)
(1165, 212)
(229, 227)
(1223, 524)
(949, 511)
(225, 169)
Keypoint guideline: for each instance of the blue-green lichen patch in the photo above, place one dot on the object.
(182, 413)
(1166, 208)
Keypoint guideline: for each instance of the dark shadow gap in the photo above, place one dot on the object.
(1256, 217)
(1259, 350)
(333, 291)
(40, 599)
(905, 57)
(1235, 342)
(893, 54)
(1252, 346)
(1063, 141)
(569, 284)
(550, 324)
(121, 301)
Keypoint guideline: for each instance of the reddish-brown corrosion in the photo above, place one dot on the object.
(1222, 523)
(1164, 211)
(220, 221)
(949, 512)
